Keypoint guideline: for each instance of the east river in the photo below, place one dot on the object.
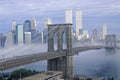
(95, 63)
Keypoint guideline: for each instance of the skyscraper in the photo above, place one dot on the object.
(95, 36)
(27, 26)
(36, 37)
(68, 16)
(9, 39)
(104, 30)
(27, 37)
(78, 21)
(95, 33)
(19, 34)
(48, 21)
(13, 25)
(33, 23)
(2, 40)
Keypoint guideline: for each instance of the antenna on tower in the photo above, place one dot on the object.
(78, 5)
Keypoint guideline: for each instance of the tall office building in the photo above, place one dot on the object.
(104, 30)
(68, 16)
(27, 37)
(13, 25)
(2, 40)
(78, 21)
(95, 35)
(9, 39)
(27, 26)
(36, 37)
(19, 34)
(33, 23)
(48, 21)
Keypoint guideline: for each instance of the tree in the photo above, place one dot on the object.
(21, 73)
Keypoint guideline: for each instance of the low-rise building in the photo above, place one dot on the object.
(50, 75)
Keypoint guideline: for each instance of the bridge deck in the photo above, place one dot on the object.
(26, 59)
(18, 61)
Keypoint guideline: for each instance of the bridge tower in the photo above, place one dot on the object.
(64, 63)
(111, 41)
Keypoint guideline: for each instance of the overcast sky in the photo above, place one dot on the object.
(95, 12)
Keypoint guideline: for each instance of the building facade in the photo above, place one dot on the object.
(13, 25)
(36, 37)
(19, 34)
(2, 40)
(27, 26)
(68, 16)
(95, 36)
(27, 37)
(9, 39)
(104, 31)
(33, 24)
(78, 21)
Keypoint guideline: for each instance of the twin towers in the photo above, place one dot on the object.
(78, 19)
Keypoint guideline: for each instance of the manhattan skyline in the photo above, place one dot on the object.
(95, 13)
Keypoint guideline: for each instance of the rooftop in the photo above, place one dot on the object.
(44, 75)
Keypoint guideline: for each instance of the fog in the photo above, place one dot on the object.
(100, 63)
(20, 50)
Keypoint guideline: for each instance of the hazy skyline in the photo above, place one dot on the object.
(95, 13)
